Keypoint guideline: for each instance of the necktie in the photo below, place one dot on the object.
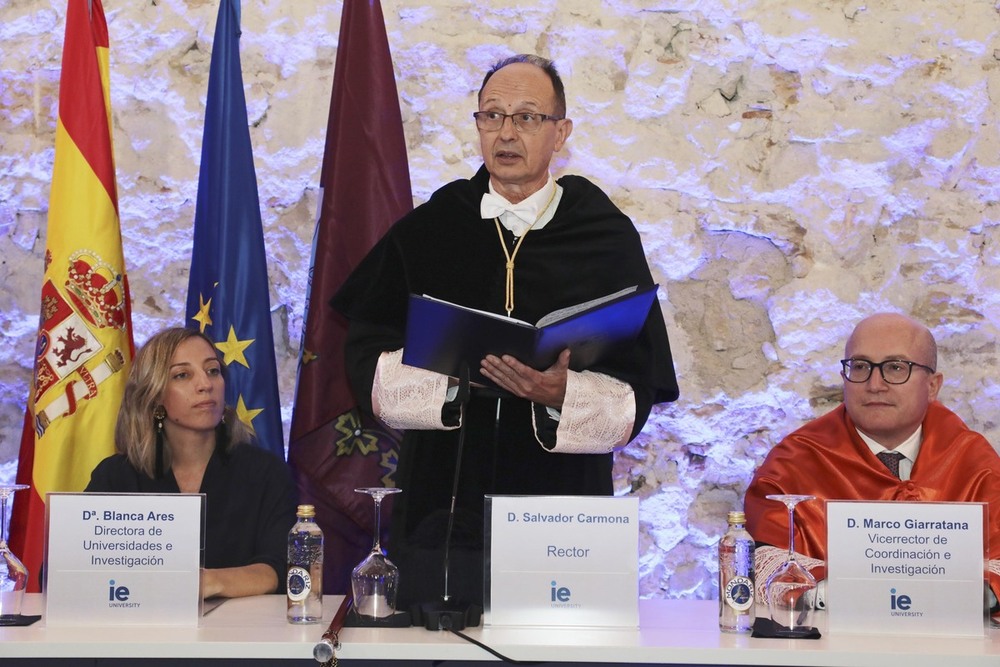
(891, 461)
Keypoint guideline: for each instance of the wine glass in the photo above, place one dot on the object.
(375, 580)
(13, 573)
(791, 590)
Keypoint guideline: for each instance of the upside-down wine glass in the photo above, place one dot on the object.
(791, 590)
(13, 573)
(375, 580)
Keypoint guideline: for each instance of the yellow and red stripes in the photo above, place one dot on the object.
(83, 215)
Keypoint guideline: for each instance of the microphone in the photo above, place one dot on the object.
(449, 613)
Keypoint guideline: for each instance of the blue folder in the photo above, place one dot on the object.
(441, 336)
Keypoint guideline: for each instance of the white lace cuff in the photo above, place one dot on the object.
(406, 397)
(768, 559)
(597, 414)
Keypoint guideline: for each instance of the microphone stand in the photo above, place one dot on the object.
(448, 613)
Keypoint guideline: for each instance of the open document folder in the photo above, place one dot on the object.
(441, 336)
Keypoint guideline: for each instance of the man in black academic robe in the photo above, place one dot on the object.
(584, 247)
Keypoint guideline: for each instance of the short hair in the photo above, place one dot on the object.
(545, 65)
(135, 430)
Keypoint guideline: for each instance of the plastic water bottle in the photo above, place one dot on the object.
(736, 577)
(304, 582)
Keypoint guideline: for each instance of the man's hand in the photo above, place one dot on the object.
(546, 387)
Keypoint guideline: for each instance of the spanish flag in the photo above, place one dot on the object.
(84, 348)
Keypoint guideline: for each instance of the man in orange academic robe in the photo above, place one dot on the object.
(890, 405)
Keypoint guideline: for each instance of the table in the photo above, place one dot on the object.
(253, 632)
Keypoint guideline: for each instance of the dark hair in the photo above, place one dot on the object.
(135, 432)
(545, 65)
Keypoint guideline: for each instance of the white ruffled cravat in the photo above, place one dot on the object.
(518, 218)
(493, 206)
(523, 213)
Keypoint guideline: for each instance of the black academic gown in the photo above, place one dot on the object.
(443, 248)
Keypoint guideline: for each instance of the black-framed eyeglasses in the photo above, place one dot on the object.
(528, 122)
(894, 371)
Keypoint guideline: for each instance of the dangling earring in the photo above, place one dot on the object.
(159, 414)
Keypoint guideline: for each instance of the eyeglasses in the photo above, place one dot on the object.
(524, 121)
(894, 371)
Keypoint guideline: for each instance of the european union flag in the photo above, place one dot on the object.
(228, 287)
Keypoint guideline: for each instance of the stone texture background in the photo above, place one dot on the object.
(793, 165)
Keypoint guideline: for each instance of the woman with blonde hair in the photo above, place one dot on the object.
(175, 434)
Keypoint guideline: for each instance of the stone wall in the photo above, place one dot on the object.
(792, 165)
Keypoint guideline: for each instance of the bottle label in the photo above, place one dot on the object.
(739, 593)
(299, 584)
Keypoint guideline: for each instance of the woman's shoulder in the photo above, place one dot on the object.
(114, 462)
(114, 474)
(262, 471)
(252, 457)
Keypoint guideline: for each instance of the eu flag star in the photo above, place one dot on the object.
(202, 317)
(232, 348)
(245, 414)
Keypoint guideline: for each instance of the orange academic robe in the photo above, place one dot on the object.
(827, 458)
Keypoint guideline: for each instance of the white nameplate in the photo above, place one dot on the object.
(123, 559)
(562, 561)
(907, 568)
